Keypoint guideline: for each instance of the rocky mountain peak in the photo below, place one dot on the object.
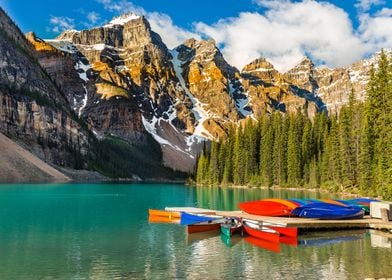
(199, 50)
(125, 32)
(305, 65)
(67, 35)
(190, 43)
(262, 69)
(259, 64)
(302, 75)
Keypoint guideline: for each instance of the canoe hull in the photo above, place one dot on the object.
(163, 213)
(326, 211)
(230, 230)
(262, 233)
(290, 232)
(163, 220)
(266, 208)
(203, 227)
(188, 219)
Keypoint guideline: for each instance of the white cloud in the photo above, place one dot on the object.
(384, 12)
(121, 6)
(376, 31)
(286, 32)
(365, 5)
(171, 34)
(93, 17)
(59, 24)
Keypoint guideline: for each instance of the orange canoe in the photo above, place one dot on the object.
(288, 203)
(163, 213)
(331, 201)
(163, 220)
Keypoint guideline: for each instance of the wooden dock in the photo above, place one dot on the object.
(304, 224)
(301, 223)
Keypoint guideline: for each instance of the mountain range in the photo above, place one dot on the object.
(119, 82)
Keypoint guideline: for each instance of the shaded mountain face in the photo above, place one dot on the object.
(32, 109)
(44, 97)
(122, 80)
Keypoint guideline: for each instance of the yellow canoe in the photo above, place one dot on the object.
(163, 213)
(285, 202)
(331, 201)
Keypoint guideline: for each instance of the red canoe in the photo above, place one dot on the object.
(266, 208)
(287, 231)
(261, 232)
(289, 240)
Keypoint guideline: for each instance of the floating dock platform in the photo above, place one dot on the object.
(302, 224)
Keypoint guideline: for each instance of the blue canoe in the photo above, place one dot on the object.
(363, 203)
(363, 200)
(327, 211)
(189, 219)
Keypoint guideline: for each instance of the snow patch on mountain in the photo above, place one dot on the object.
(121, 20)
(82, 69)
(62, 45)
(151, 127)
(84, 102)
(242, 104)
(198, 110)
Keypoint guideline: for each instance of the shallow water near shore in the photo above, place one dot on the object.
(101, 231)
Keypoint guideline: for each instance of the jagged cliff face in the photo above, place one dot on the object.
(32, 109)
(305, 86)
(122, 80)
(127, 86)
(330, 88)
(211, 83)
(270, 90)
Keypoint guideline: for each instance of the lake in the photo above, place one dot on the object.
(101, 231)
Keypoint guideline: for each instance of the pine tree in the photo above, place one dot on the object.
(307, 150)
(266, 144)
(200, 169)
(213, 168)
(293, 154)
(239, 159)
(279, 150)
(347, 146)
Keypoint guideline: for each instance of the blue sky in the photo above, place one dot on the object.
(35, 15)
(333, 33)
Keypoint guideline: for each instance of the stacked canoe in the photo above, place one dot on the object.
(326, 209)
(258, 233)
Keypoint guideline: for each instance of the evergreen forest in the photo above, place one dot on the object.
(350, 151)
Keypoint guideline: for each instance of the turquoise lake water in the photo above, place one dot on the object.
(101, 231)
